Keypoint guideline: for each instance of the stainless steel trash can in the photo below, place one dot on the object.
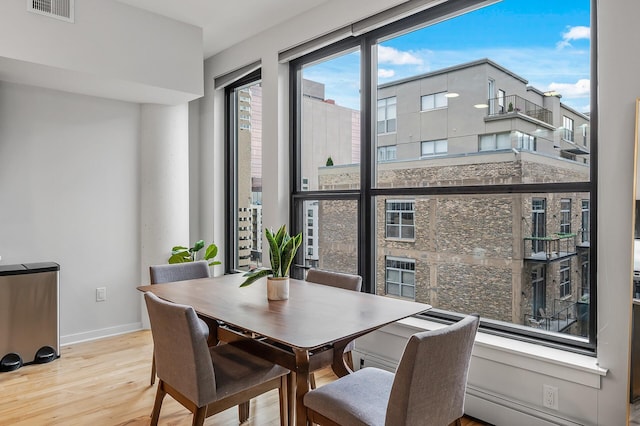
(29, 314)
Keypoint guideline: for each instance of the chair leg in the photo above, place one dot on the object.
(312, 381)
(153, 369)
(155, 414)
(199, 416)
(243, 411)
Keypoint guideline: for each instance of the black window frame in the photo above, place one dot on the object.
(367, 193)
(231, 169)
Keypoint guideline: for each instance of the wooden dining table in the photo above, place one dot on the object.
(304, 333)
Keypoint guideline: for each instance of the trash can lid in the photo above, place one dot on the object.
(28, 268)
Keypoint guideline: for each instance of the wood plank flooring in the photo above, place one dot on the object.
(106, 382)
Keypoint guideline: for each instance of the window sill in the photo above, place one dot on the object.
(565, 365)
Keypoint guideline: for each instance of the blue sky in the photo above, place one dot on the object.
(544, 41)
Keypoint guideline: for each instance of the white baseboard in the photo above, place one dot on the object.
(500, 410)
(99, 334)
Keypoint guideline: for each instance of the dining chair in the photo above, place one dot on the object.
(205, 380)
(427, 389)
(340, 280)
(161, 274)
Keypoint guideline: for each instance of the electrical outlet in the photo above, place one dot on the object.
(550, 396)
(101, 294)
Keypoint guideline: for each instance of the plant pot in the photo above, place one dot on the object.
(277, 288)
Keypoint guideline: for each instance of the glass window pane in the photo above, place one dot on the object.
(447, 78)
(331, 235)
(330, 123)
(247, 101)
(475, 254)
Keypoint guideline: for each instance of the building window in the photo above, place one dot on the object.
(400, 277)
(538, 223)
(539, 291)
(400, 219)
(526, 142)
(501, 98)
(565, 216)
(584, 284)
(495, 141)
(433, 101)
(567, 132)
(585, 221)
(433, 148)
(386, 153)
(565, 278)
(387, 115)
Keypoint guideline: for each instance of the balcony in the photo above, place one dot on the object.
(565, 314)
(551, 248)
(514, 104)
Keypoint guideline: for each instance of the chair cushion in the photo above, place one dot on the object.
(349, 401)
(236, 370)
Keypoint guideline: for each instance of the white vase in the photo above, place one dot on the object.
(277, 288)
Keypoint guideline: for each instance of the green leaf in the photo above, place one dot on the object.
(254, 276)
(198, 245)
(211, 252)
(215, 262)
(289, 253)
(180, 258)
(179, 249)
(274, 251)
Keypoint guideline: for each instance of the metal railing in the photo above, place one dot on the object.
(548, 248)
(514, 104)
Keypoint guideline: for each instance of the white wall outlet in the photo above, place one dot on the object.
(550, 396)
(101, 294)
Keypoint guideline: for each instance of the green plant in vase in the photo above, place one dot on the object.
(282, 250)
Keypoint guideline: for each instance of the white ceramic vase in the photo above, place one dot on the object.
(277, 288)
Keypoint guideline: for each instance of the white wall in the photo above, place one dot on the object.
(69, 188)
(602, 402)
(111, 50)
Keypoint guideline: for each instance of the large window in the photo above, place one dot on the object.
(244, 161)
(486, 227)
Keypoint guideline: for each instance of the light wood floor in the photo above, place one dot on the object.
(106, 382)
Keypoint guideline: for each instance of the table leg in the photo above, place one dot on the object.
(302, 385)
(339, 366)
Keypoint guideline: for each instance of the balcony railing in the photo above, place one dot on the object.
(514, 104)
(565, 314)
(552, 247)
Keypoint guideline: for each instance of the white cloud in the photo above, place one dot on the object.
(574, 33)
(390, 55)
(385, 73)
(578, 89)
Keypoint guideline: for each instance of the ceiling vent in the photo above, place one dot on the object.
(59, 9)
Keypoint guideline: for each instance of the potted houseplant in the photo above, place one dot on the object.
(282, 250)
(180, 254)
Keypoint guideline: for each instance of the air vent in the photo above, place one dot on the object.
(59, 9)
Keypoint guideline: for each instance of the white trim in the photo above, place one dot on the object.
(99, 334)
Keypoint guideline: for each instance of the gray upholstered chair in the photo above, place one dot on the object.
(340, 280)
(205, 380)
(428, 388)
(161, 274)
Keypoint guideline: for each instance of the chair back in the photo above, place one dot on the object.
(335, 279)
(182, 356)
(431, 378)
(179, 271)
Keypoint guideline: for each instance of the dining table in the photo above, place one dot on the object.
(306, 332)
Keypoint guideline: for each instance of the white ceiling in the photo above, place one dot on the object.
(225, 23)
